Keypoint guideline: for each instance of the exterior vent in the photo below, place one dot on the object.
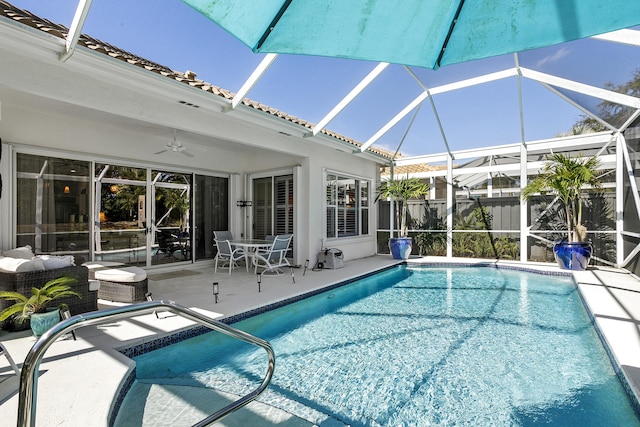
(188, 104)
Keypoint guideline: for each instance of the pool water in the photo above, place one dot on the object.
(475, 346)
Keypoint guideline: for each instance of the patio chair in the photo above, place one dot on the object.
(167, 243)
(226, 254)
(5, 353)
(222, 235)
(274, 259)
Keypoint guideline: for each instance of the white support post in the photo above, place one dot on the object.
(75, 30)
(37, 242)
(524, 207)
(253, 79)
(604, 94)
(350, 97)
(298, 190)
(630, 175)
(7, 206)
(392, 222)
(450, 206)
(621, 152)
(394, 121)
(432, 188)
(626, 36)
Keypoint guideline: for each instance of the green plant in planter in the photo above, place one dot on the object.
(566, 178)
(400, 191)
(24, 307)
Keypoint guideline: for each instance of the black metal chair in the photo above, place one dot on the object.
(167, 243)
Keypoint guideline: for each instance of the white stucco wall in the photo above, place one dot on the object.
(93, 107)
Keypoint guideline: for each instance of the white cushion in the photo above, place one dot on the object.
(20, 265)
(122, 275)
(94, 285)
(94, 265)
(52, 262)
(23, 252)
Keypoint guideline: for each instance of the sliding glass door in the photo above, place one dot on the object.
(120, 218)
(142, 215)
(211, 213)
(108, 212)
(171, 239)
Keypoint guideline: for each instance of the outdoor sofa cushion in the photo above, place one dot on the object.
(20, 265)
(101, 265)
(122, 274)
(51, 262)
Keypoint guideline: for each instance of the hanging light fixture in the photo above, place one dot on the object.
(66, 190)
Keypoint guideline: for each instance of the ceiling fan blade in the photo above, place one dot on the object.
(160, 152)
(186, 153)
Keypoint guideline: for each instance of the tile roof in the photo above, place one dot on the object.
(27, 18)
(409, 169)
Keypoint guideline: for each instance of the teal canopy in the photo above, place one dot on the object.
(425, 33)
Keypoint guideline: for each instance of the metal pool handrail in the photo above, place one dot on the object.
(30, 368)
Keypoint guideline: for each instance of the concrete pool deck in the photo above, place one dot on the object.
(80, 379)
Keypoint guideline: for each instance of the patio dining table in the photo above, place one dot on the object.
(250, 246)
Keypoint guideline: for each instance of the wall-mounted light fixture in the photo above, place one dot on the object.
(66, 190)
(243, 203)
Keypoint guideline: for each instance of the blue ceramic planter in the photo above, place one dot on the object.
(572, 255)
(42, 322)
(400, 247)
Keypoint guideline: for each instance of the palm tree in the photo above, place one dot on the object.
(566, 177)
(400, 191)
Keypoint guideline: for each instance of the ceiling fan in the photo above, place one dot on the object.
(176, 147)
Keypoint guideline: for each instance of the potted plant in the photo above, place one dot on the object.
(566, 178)
(400, 191)
(34, 308)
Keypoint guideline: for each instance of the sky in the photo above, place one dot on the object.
(170, 33)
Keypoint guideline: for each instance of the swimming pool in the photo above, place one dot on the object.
(418, 346)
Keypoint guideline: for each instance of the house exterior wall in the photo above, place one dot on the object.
(93, 107)
(351, 247)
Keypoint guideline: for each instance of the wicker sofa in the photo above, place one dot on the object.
(24, 281)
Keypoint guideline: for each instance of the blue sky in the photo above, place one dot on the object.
(172, 34)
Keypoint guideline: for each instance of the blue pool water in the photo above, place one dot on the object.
(419, 346)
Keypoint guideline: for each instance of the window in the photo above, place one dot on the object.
(347, 204)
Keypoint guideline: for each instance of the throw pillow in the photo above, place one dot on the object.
(52, 262)
(23, 252)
